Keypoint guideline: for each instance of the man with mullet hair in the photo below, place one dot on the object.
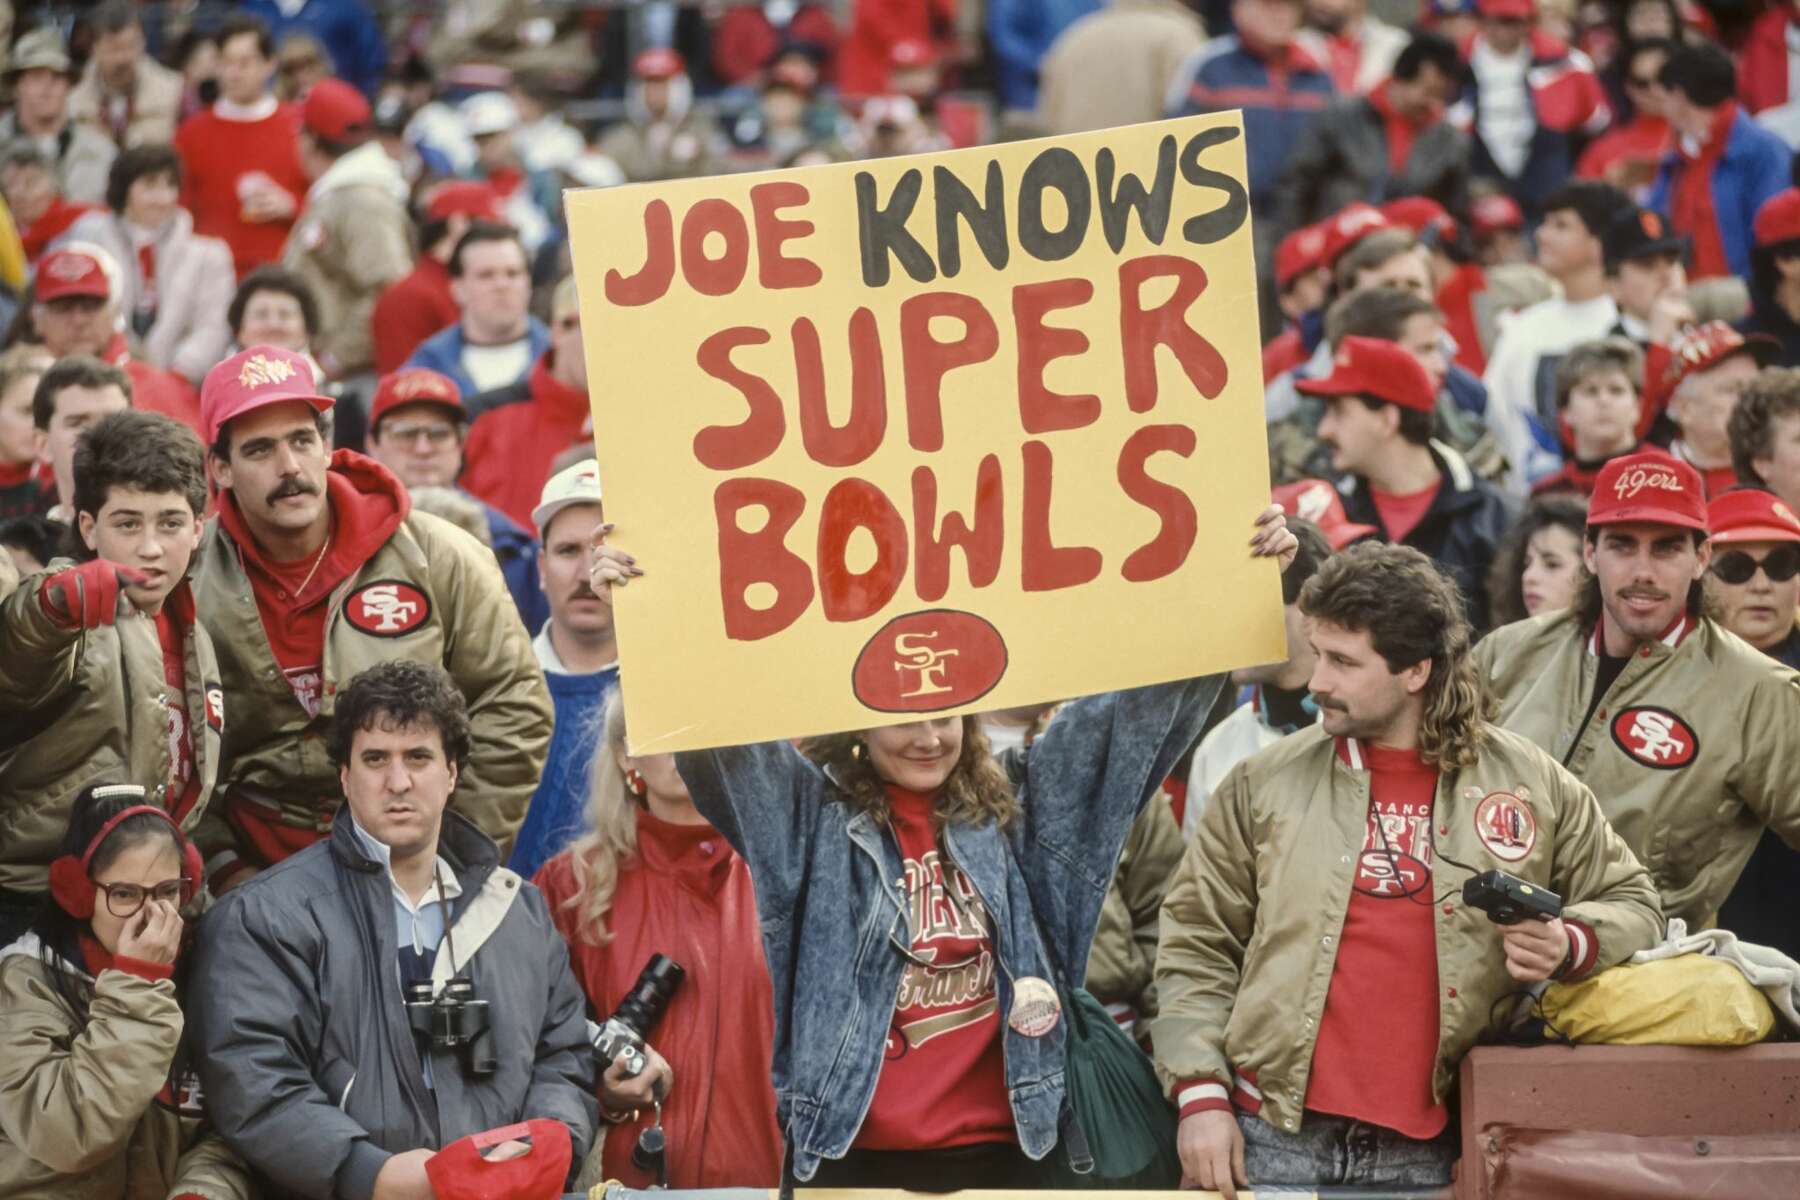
(1319, 978)
(1687, 733)
(104, 672)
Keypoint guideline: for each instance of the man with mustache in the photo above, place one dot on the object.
(580, 658)
(1319, 977)
(316, 568)
(1686, 733)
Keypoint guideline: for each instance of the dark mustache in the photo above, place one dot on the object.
(292, 487)
(1328, 702)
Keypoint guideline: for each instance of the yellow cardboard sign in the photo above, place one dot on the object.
(929, 435)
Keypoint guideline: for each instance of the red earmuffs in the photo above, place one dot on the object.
(73, 888)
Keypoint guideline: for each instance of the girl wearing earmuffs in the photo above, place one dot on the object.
(96, 1102)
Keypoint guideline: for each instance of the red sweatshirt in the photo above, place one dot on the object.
(687, 895)
(511, 448)
(944, 1081)
(154, 389)
(219, 154)
(411, 310)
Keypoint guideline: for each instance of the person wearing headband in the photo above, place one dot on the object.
(97, 1096)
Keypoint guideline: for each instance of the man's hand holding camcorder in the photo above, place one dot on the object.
(621, 1093)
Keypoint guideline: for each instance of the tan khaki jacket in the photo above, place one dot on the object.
(88, 706)
(463, 619)
(1693, 750)
(1250, 928)
(93, 1115)
(353, 239)
(155, 103)
(1122, 962)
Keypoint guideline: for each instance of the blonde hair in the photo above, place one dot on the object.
(976, 791)
(611, 840)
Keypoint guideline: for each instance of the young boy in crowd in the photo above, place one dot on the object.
(104, 672)
(1599, 386)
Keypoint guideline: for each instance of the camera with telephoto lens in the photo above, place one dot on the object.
(1508, 900)
(638, 1013)
(453, 1020)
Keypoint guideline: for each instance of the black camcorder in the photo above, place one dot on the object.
(1508, 900)
(453, 1020)
(626, 1030)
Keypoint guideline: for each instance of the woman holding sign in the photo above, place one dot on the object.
(916, 899)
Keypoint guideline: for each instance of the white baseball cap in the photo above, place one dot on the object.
(489, 112)
(579, 484)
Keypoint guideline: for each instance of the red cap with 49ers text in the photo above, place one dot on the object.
(1651, 488)
(71, 272)
(253, 379)
(415, 385)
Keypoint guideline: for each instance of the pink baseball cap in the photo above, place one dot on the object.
(253, 379)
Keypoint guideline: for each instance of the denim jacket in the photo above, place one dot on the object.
(837, 963)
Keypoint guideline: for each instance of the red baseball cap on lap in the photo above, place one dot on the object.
(253, 379)
(1651, 488)
(459, 1172)
(415, 385)
(1379, 369)
(335, 111)
(71, 272)
(1752, 515)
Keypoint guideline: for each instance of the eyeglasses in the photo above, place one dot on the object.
(437, 435)
(124, 899)
(1736, 567)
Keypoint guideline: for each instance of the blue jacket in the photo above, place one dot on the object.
(443, 351)
(1021, 32)
(836, 964)
(1756, 164)
(558, 812)
(1277, 106)
(516, 549)
(346, 28)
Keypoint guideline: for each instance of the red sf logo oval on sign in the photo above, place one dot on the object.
(1655, 737)
(929, 661)
(387, 608)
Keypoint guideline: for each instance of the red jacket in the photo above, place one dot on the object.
(1762, 67)
(1456, 300)
(511, 446)
(411, 310)
(688, 895)
(154, 389)
(876, 26)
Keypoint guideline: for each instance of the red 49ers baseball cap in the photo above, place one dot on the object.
(416, 385)
(253, 379)
(1350, 225)
(1318, 502)
(1752, 515)
(1379, 369)
(466, 197)
(459, 1172)
(1650, 488)
(71, 272)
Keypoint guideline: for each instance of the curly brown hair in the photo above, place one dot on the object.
(976, 791)
(1412, 613)
(1774, 393)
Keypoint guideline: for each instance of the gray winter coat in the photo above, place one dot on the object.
(1343, 157)
(310, 1070)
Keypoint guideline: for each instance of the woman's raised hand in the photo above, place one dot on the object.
(1273, 539)
(611, 565)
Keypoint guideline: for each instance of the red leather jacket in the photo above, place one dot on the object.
(688, 895)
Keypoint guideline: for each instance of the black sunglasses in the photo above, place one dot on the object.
(1736, 567)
